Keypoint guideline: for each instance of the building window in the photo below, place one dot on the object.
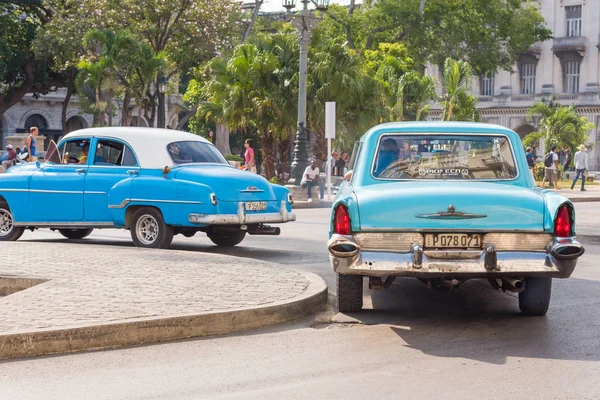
(573, 20)
(571, 76)
(487, 84)
(527, 78)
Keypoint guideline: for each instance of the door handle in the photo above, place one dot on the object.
(80, 170)
(133, 172)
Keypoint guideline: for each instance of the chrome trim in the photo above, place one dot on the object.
(92, 192)
(242, 218)
(398, 242)
(252, 189)
(54, 191)
(120, 205)
(440, 134)
(451, 214)
(436, 230)
(59, 224)
(487, 262)
(166, 201)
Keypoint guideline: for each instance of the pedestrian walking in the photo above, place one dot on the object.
(567, 160)
(250, 163)
(530, 161)
(551, 166)
(581, 167)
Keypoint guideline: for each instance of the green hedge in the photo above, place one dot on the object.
(233, 157)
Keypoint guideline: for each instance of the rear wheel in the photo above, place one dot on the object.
(349, 293)
(148, 229)
(8, 231)
(75, 233)
(535, 299)
(226, 239)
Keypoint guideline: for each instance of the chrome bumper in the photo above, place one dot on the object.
(244, 218)
(558, 260)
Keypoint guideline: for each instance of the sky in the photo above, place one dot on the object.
(275, 5)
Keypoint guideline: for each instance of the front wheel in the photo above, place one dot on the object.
(535, 299)
(75, 233)
(349, 293)
(226, 239)
(8, 231)
(148, 229)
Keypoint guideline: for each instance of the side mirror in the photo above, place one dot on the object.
(348, 176)
(37, 164)
(166, 170)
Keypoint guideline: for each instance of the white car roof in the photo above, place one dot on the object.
(148, 144)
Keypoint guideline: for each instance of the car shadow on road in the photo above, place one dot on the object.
(481, 324)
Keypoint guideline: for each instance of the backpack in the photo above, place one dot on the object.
(549, 160)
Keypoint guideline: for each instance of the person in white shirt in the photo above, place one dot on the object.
(550, 172)
(581, 166)
(311, 178)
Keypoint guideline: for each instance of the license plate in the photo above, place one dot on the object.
(256, 205)
(452, 240)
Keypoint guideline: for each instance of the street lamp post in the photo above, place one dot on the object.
(163, 85)
(305, 22)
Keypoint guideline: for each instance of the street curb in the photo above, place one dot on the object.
(155, 330)
(311, 204)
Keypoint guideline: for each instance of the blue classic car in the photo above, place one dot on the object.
(154, 182)
(445, 202)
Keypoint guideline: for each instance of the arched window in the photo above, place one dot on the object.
(36, 120)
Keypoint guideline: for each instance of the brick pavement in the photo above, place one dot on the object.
(93, 284)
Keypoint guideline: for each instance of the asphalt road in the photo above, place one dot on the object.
(409, 342)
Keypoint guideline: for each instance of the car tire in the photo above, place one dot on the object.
(349, 293)
(227, 239)
(535, 298)
(8, 232)
(148, 229)
(75, 233)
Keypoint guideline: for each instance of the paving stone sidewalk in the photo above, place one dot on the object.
(94, 284)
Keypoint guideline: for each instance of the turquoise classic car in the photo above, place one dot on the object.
(155, 182)
(445, 202)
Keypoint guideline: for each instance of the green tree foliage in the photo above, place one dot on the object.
(558, 125)
(457, 102)
(489, 34)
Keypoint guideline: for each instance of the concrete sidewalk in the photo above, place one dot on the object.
(86, 296)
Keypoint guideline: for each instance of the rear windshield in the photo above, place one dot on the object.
(194, 152)
(444, 157)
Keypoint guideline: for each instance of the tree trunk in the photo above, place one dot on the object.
(320, 147)
(267, 144)
(126, 110)
(283, 146)
(257, 6)
(110, 100)
(222, 139)
(67, 100)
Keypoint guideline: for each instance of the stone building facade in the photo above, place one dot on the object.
(45, 113)
(566, 68)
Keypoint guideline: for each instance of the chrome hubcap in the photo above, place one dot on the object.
(146, 229)
(6, 222)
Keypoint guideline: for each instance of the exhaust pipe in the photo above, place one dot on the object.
(513, 285)
(342, 247)
(264, 230)
(568, 250)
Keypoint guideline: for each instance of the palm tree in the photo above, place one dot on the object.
(456, 80)
(91, 76)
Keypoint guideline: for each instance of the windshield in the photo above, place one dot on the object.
(444, 157)
(194, 152)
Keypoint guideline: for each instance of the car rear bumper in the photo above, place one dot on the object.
(558, 260)
(242, 217)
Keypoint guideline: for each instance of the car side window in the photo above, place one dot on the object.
(110, 152)
(74, 151)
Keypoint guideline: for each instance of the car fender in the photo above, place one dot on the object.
(14, 188)
(281, 193)
(346, 197)
(553, 202)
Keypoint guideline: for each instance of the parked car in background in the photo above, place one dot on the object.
(446, 202)
(155, 182)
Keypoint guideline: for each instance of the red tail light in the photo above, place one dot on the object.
(341, 220)
(562, 224)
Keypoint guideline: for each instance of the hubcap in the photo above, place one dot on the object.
(6, 222)
(146, 229)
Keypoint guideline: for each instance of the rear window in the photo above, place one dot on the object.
(194, 152)
(444, 157)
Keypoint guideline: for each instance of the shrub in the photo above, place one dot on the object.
(233, 157)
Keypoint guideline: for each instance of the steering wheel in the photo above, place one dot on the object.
(73, 160)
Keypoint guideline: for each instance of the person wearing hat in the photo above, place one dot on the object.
(8, 159)
(581, 166)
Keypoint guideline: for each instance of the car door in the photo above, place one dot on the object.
(112, 162)
(56, 189)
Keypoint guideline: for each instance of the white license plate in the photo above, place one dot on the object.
(452, 240)
(256, 205)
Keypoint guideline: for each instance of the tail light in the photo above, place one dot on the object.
(341, 220)
(563, 223)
